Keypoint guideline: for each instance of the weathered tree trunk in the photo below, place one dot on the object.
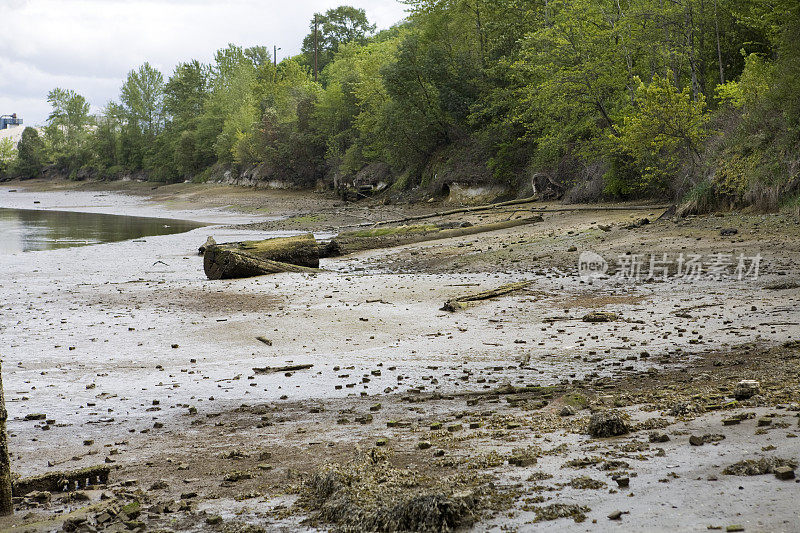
(301, 250)
(6, 505)
(223, 263)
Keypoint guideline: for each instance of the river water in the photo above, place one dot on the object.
(23, 230)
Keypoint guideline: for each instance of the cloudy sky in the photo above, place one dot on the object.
(90, 45)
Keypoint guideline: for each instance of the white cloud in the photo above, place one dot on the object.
(90, 45)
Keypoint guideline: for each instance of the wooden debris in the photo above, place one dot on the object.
(62, 481)
(222, 263)
(287, 368)
(209, 243)
(300, 250)
(357, 241)
(455, 304)
(520, 201)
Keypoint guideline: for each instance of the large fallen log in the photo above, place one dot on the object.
(300, 250)
(497, 206)
(223, 263)
(370, 239)
(454, 304)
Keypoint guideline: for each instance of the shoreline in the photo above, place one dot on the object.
(375, 311)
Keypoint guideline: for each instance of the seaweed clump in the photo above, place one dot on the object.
(371, 495)
(554, 511)
(758, 467)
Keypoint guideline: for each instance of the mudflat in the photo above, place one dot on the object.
(572, 403)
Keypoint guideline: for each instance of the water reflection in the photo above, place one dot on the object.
(23, 230)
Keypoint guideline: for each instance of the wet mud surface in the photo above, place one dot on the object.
(410, 417)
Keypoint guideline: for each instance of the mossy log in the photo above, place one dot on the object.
(370, 239)
(224, 263)
(63, 481)
(455, 304)
(300, 250)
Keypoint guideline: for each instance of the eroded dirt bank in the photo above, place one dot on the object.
(411, 417)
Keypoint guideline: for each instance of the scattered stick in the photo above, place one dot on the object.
(273, 369)
(456, 304)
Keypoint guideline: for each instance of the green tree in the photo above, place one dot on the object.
(70, 113)
(106, 141)
(142, 97)
(663, 135)
(30, 155)
(67, 128)
(337, 26)
(8, 155)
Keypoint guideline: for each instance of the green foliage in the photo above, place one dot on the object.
(663, 134)
(30, 155)
(510, 90)
(142, 97)
(66, 132)
(8, 155)
(335, 27)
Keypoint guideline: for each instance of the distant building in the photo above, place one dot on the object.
(9, 121)
(11, 128)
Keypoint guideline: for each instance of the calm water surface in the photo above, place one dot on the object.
(23, 230)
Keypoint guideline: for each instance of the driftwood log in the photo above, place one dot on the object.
(461, 302)
(256, 258)
(300, 250)
(370, 239)
(499, 205)
(221, 263)
(287, 368)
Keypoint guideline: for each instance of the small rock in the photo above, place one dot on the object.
(600, 316)
(784, 472)
(214, 520)
(608, 424)
(747, 388)
(616, 515)
(567, 410)
(655, 436)
(696, 440)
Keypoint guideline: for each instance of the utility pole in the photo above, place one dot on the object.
(275, 55)
(315, 47)
(6, 505)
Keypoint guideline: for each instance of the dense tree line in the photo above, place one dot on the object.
(623, 98)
